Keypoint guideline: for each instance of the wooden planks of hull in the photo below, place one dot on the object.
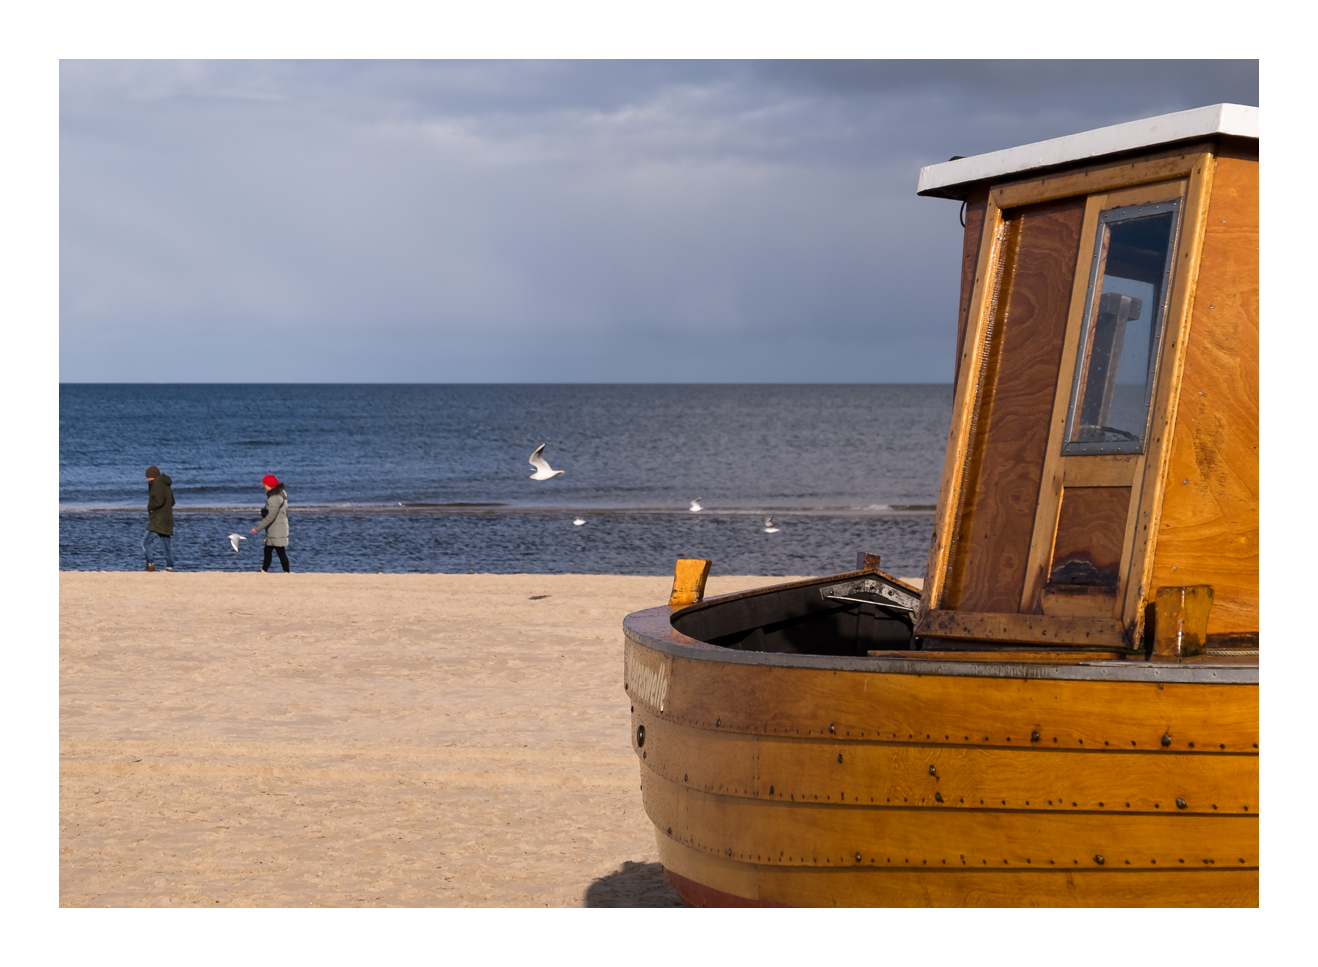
(704, 880)
(907, 774)
(828, 835)
(775, 700)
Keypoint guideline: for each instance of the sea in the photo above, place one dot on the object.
(397, 478)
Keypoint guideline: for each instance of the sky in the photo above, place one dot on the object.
(542, 221)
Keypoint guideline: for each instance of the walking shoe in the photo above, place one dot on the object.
(150, 567)
(169, 569)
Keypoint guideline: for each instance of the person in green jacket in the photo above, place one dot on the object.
(274, 521)
(160, 517)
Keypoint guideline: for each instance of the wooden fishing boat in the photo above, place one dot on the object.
(1066, 713)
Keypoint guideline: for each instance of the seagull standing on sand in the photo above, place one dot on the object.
(768, 526)
(543, 471)
(234, 539)
(578, 521)
(695, 505)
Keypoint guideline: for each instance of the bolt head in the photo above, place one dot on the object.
(1099, 859)
(1166, 740)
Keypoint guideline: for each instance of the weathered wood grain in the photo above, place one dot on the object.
(1103, 177)
(887, 774)
(1090, 529)
(1002, 488)
(1064, 600)
(1209, 532)
(970, 365)
(1084, 632)
(1180, 622)
(1005, 886)
(807, 834)
(943, 709)
(1135, 591)
(976, 206)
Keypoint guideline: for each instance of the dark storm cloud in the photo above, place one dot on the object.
(556, 221)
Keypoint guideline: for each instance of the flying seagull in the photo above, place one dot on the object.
(543, 471)
(578, 521)
(695, 505)
(234, 539)
(768, 526)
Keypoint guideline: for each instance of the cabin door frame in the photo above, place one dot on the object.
(1115, 621)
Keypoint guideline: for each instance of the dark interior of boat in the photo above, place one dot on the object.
(831, 616)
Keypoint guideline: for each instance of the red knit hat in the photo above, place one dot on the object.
(270, 480)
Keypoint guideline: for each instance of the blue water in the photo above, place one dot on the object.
(434, 477)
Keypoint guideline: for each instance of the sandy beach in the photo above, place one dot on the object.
(351, 740)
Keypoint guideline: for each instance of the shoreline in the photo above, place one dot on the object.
(897, 510)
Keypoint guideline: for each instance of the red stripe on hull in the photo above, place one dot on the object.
(695, 894)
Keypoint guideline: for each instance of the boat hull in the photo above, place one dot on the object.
(810, 780)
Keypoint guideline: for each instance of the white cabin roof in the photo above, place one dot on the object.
(951, 179)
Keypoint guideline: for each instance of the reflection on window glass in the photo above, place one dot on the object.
(1123, 324)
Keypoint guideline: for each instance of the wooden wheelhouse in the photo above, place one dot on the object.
(1066, 713)
(1104, 443)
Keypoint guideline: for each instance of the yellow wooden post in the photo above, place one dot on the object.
(689, 579)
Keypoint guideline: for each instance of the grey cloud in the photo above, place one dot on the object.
(553, 220)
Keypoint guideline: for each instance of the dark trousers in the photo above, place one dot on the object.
(283, 557)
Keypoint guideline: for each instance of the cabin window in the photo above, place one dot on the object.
(1124, 309)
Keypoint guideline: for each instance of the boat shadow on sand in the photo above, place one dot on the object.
(633, 885)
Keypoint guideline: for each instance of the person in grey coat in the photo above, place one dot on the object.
(274, 521)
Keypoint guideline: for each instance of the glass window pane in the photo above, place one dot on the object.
(1124, 312)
